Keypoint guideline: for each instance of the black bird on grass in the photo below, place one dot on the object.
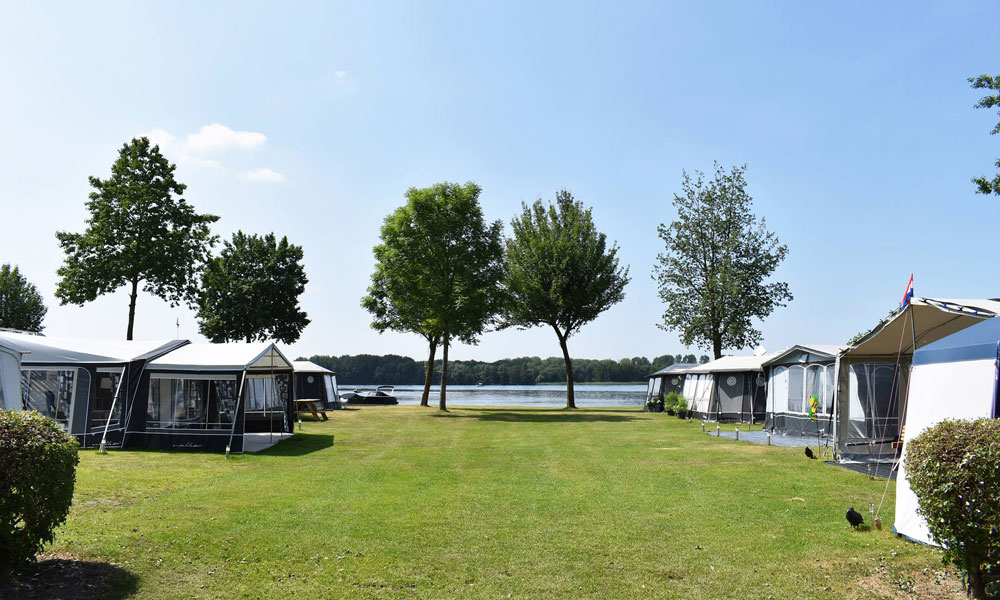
(854, 517)
(809, 452)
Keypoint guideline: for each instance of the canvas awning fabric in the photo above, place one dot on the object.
(674, 369)
(933, 319)
(732, 364)
(819, 350)
(39, 349)
(236, 356)
(307, 366)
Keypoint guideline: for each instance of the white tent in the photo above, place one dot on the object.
(731, 388)
(954, 378)
(667, 380)
(86, 386)
(10, 377)
(236, 356)
(871, 375)
(794, 376)
(313, 382)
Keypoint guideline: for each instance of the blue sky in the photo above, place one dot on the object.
(312, 119)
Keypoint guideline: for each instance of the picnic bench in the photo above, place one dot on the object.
(313, 406)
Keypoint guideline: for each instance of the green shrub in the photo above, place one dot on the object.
(954, 469)
(670, 401)
(681, 406)
(37, 473)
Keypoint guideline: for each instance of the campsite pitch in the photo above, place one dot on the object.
(404, 502)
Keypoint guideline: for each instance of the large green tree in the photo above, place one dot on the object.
(394, 308)
(561, 272)
(140, 230)
(985, 185)
(21, 305)
(251, 291)
(439, 266)
(717, 259)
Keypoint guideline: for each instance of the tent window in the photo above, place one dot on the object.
(796, 385)
(828, 390)
(649, 389)
(873, 410)
(50, 393)
(180, 403)
(814, 387)
(100, 407)
(779, 389)
(657, 382)
(331, 383)
(266, 394)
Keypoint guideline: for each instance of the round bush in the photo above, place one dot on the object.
(954, 470)
(37, 473)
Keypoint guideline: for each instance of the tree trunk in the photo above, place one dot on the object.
(443, 404)
(717, 346)
(424, 399)
(131, 309)
(570, 396)
(976, 583)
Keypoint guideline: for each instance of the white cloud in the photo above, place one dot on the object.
(214, 137)
(340, 73)
(264, 174)
(194, 150)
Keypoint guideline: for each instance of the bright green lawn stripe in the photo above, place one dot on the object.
(482, 503)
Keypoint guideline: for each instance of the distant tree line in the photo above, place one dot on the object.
(391, 369)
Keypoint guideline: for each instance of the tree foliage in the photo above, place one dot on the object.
(438, 271)
(954, 470)
(251, 291)
(713, 272)
(140, 230)
(561, 273)
(985, 185)
(21, 306)
(37, 473)
(369, 369)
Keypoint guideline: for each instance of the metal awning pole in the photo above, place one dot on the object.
(111, 413)
(236, 415)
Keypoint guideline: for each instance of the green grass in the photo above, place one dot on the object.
(485, 503)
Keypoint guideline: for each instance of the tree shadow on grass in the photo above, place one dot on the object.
(299, 444)
(62, 577)
(555, 415)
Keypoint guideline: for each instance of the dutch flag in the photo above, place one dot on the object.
(908, 294)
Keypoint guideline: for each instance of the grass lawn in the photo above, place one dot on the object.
(490, 503)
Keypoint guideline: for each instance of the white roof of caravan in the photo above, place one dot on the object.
(307, 366)
(40, 349)
(676, 368)
(237, 356)
(933, 319)
(731, 364)
(830, 350)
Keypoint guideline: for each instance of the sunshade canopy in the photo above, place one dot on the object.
(257, 356)
(39, 349)
(306, 366)
(973, 343)
(933, 319)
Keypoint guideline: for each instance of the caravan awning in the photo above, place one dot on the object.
(674, 369)
(732, 364)
(933, 319)
(307, 366)
(260, 356)
(40, 349)
(820, 350)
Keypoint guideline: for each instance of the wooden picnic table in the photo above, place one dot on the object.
(313, 406)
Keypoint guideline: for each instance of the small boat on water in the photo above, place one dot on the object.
(383, 395)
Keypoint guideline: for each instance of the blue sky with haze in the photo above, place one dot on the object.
(312, 119)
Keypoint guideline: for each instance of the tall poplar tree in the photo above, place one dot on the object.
(717, 258)
(560, 273)
(140, 231)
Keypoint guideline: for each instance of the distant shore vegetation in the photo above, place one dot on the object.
(402, 370)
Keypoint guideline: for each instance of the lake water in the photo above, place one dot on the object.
(553, 396)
